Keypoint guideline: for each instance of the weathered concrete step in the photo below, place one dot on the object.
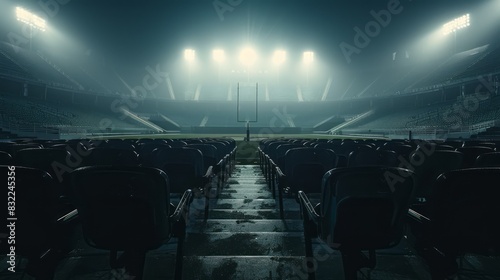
(251, 214)
(238, 267)
(244, 195)
(246, 203)
(245, 244)
(246, 225)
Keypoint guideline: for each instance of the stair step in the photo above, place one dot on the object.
(246, 225)
(245, 244)
(251, 214)
(246, 203)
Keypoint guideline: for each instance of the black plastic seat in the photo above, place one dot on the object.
(428, 167)
(362, 208)
(43, 235)
(128, 209)
(488, 160)
(110, 156)
(303, 169)
(461, 217)
(5, 158)
(471, 153)
(186, 170)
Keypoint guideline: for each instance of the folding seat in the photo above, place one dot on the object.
(185, 169)
(428, 166)
(42, 234)
(128, 209)
(460, 218)
(210, 159)
(488, 160)
(280, 158)
(478, 143)
(362, 208)
(110, 156)
(58, 163)
(145, 149)
(303, 169)
(177, 143)
(117, 144)
(401, 150)
(5, 158)
(364, 157)
(12, 149)
(471, 153)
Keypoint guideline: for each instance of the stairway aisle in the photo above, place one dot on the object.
(244, 238)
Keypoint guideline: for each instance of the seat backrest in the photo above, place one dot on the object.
(5, 158)
(34, 197)
(488, 160)
(427, 168)
(304, 168)
(364, 157)
(365, 207)
(209, 153)
(184, 166)
(110, 156)
(464, 210)
(124, 207)
(471, 153)
(281, 152)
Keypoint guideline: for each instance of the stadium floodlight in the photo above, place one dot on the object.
(218, 56)
(308, 57)
(279, 57)
(456, 24)
(189, 55)
(30, 19)
(248, 56)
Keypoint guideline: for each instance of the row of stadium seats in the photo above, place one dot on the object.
(119, 191)
(363, 191)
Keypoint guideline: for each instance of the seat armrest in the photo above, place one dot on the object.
(182, 206)
(308, 208)
(68, 217)
(414, 215)
(210, 172)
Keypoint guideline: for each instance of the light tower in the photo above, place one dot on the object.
(32, 20)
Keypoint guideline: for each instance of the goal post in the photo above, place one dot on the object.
(247, 102)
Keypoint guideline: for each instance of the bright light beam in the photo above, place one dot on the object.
(248, 56)
(218, 56)
(279, 57)
(308, 57)
(456, 24)
(189, 55)
(30, 19)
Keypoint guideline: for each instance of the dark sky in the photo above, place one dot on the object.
(136, 32)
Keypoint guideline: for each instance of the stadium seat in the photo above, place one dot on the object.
(361, 208)
(303, 169)
(186, 170)
(428, 167)
(461, 217)
(471, 153)
(210, 159)
(110, 156)
(488, 160)
(5, 158)
(128, 209)
(43, 235)
(58, 163)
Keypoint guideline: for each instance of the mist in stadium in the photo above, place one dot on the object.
(250, 139)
